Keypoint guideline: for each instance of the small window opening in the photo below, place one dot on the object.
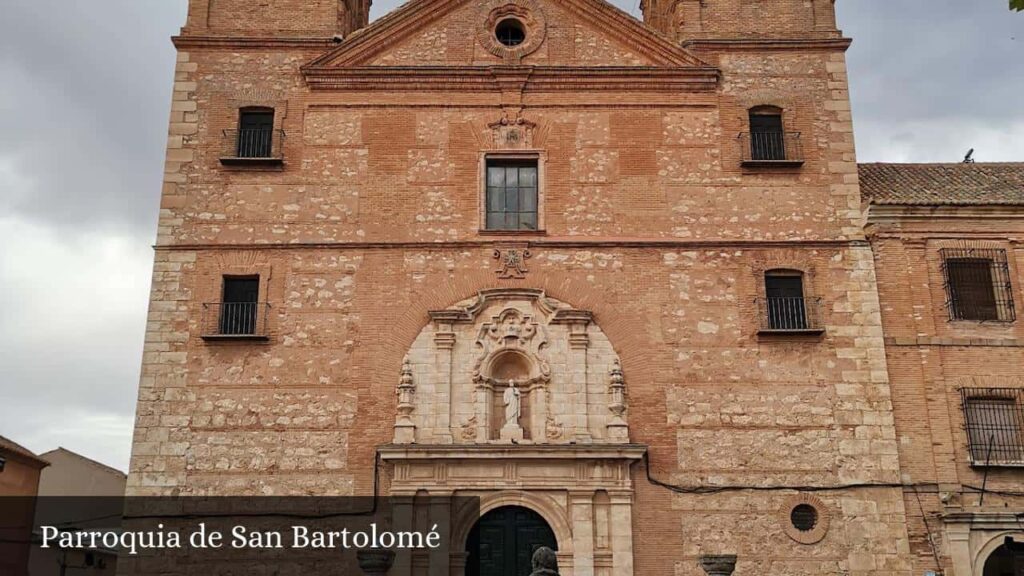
(239, 306)
(255, 133)
(510, 32)
(804, 517)
(767, 138)
(787, 307)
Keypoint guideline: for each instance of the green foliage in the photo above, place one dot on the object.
(1017, 5)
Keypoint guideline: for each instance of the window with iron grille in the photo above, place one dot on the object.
(994, 419)
(255, 133)
(511, 194)
(767, 138)
(784, 300)
(978, 284)
(240, 305)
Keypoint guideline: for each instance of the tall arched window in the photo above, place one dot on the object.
(767, 138)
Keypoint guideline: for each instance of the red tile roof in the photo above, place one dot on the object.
(943, 184)
(15, 449)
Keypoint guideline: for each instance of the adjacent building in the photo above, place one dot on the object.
(612, 277)
(947, 244)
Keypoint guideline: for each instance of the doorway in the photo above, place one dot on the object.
(1007, 560)
(503, 541)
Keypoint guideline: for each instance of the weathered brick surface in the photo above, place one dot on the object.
(930, 359)
(650, 223)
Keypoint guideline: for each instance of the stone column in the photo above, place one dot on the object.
(402, 519)
(723, 565)
(579, 342)
(444, 339)
(958, 538)
(581, 511)
(621, 513)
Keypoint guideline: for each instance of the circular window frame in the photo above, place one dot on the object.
(527, 13)
(814, 535)
(511, 22)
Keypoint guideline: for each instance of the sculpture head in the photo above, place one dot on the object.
(545, 559)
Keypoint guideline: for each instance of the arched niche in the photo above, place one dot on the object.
(568, 384)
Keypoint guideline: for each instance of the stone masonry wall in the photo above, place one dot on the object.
(650, 222)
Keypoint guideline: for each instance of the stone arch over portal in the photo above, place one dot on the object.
(991, 546)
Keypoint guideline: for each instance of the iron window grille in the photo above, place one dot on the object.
(785, 307)
(239, 314)
(994, 420)
(977, 283)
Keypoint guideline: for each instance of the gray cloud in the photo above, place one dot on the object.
(83, 116)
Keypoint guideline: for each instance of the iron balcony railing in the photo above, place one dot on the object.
(994, 421)
(253, 146)
(771, 148)
(790, 314)
(225, 320)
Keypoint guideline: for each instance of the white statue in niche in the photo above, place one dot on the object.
(513, 404)
(512, 398)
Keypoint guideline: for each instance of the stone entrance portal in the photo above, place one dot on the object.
(519, 399)
(503, 541)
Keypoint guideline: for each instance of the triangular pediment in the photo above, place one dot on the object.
(458, 33)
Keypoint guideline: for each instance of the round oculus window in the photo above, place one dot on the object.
(510, 32)
(804, 517)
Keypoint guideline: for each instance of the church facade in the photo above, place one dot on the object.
(610, 276)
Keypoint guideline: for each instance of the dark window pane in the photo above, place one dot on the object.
(495, 176)
(528, 200)
(240, 305)
(495, 220)
(972, 291)
(511, 199)
(495, 199)
(786, 308)
(255, 133)
(511, 194)
(767, 140)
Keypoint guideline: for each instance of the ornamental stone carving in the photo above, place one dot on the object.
(511, 366)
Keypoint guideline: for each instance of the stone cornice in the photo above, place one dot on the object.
(250, 42)
(891, 213)
(766, 44)
(513, 452)
(535, 78)
(627, 243)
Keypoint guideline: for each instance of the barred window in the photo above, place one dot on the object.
(786, 307)
(978, 284)
(994, 420)
(240, 305)
(255, 132)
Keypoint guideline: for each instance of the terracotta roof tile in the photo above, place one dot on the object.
(10, 446)
(943, 184)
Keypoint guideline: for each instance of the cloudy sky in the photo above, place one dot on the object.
(83, 109)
